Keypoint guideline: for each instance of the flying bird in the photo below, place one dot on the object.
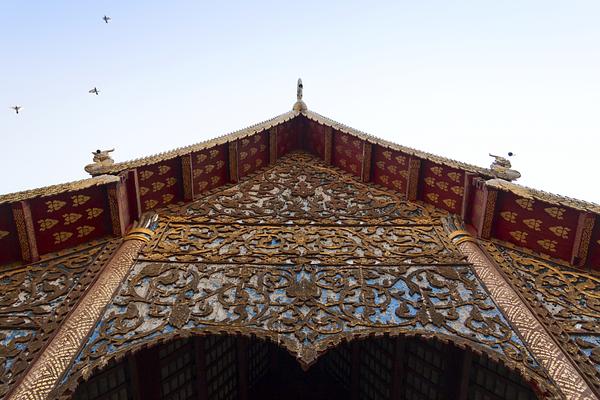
(16, 108)
(94, 91)
(106, 19)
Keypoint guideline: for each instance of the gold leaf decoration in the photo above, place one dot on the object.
(258, 162)
(220, 164)
(71, 218)
(84, 230)
(209, 168)
(519, 236)
(253, 151)
(387, 155)
(526, 204)
(215, 179)
(380, 164)
(149, 204)
(442, 185)
(60, 237)
(3, 234)
(533, 223)
(79, 200)
(433, 196)
(400, 160)
(397, 184)
(436, 170)
(509, 216)
(144, 175)
(201, 157)
(560, 231)
(555, 212)
(392, 168)
(451, 203)
(202, 185)
(458, 190)
(430, 181)
(47, 223)
(548, 244)
(163, 169)
(171, 181)
(356, 144)
(197, 172)
(344, 139)
(143, 190)
(263, 147)
(55, 205)
(214, 153)
(454, 176)
(245, 142)
(167, 198)
(156, 186)
(256, 138)
(243, 155)
(93, 212)
(385, 179)
(246, 167)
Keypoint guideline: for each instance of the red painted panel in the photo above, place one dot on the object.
(539, 226)
(288, 137)
(68, 219)
(209, 168)
(9, 242)
(389, 168)
(253, 153)
(442, 186)
(314, 138)
(594, 253)
(347, 153)
(131, 195)
(160, 184)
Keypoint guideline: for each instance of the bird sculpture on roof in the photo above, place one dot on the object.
(502, 168)
(101, 159)
(16, 108)
(94, 91)
(106, 19)
(299, 105)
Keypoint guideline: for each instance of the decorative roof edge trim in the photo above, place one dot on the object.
(394, 146)
(168, 155)
(535, 194)
(57, 189)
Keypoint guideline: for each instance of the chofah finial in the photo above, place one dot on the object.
(299, 106)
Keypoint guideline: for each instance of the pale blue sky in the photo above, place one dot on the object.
(456, 78)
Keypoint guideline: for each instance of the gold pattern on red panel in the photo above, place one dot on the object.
(251, 150)
(4, 234)
(55, 205)
(442, 186)
(347, 153)
(390, 168)
(159, 184)
(509, 216)
(209, 168)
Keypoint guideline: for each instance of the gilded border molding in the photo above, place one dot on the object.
(47, 370)
(538, 340)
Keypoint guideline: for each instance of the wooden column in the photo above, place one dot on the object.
(138, 199)
(412, 183)
(200, 358)
(466, 204)
(328, 144)
(366, 161)
(120, 215)
(583, 238)
(486, 220)
(146, 374)
(25, 231)
(272, 145)
(233, 162)
(398, 368)
(242, 359)
(355, 371)
(187, 177)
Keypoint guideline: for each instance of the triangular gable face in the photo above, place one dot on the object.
(307, 256)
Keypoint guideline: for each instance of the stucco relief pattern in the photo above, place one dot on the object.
(546, 351)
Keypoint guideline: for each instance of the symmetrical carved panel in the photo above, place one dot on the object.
(34, 300)
(566, 300)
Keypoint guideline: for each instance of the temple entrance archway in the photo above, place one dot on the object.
(233, 367)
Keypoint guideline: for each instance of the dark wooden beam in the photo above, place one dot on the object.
(412, 182)
(583, 239)
(328, 144)
(486, 221)
(466, 203)
(366, 161)
(146, 370)
(233, 162)
(138, 199)
(463, 389)
(187, 182)
(242, 359)
(120, 215)
(25, 231)
(456, 373)
(272, 145)
(200, 358)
